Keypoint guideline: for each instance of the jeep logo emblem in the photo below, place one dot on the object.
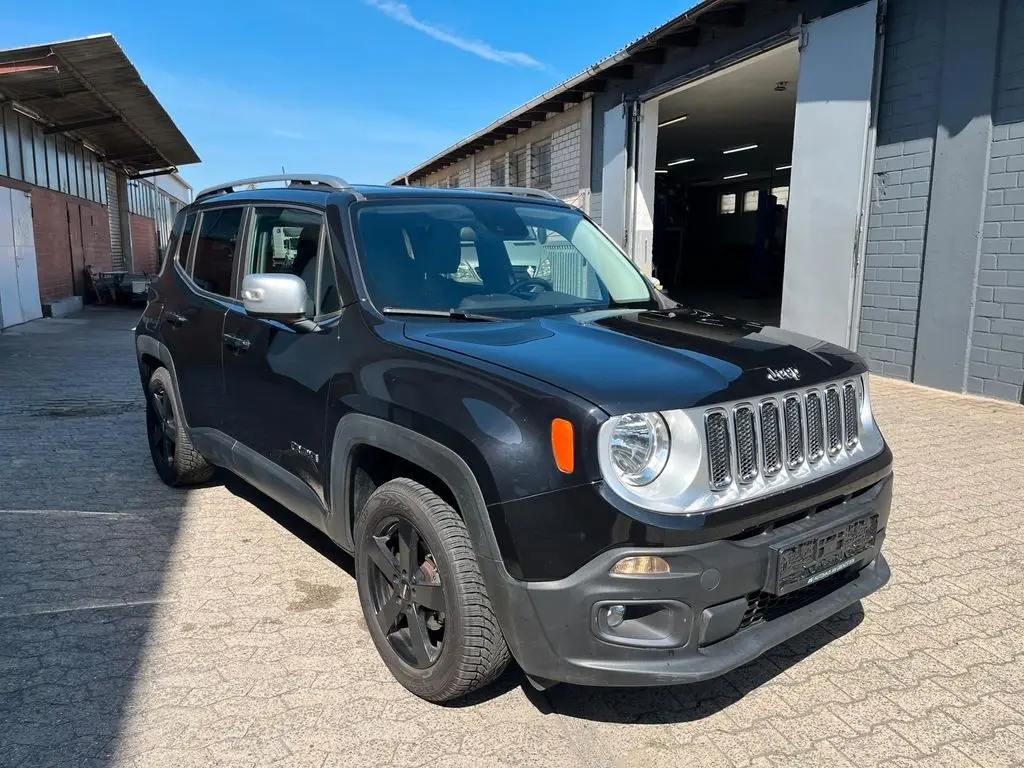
(783, 374)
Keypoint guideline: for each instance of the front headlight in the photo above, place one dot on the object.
(639, 447)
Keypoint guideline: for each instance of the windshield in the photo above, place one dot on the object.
(513, 259)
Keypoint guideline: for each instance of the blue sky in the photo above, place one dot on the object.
(361, 88)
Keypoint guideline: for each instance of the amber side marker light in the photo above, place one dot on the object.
(640, 565)
(562, 445)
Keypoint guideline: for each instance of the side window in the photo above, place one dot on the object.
(185, 242)
(215, 249)
(287, 241)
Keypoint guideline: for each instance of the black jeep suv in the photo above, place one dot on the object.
(531, 456)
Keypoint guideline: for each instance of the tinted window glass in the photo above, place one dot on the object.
(492, 257)
(185, 243)
(287, 241)
(215, 250)
(330, 299)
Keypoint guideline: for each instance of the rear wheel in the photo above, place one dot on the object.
(174, 458)
(423, 598)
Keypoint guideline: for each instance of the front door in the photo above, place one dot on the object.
(192, 322)
(277, 377)
(76, 248)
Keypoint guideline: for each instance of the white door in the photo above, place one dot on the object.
(830, 143)
(19, 281)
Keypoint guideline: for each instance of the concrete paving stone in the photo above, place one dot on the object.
(147, 626)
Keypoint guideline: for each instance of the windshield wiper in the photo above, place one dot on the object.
(454, 314)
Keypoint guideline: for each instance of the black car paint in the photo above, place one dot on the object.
(482, 392)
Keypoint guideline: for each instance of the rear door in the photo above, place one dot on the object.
(192, 323)
(277, 377)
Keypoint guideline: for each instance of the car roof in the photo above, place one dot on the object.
(308, 195)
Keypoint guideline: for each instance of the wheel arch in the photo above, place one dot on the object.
(359, 432)
(152, 354)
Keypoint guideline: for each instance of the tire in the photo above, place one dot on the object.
(470, 651)
(175, 459)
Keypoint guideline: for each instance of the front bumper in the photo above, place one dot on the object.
(709, 615)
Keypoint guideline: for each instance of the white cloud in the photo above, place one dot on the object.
(400, 12)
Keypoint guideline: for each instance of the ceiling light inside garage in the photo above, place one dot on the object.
(661, 170)
(744, 148)
(734, 176)
(681, 161)
(673, 120)
(783, 167)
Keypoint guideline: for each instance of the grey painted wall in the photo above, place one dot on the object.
(907, 121)
(959, 180)
(997, 344)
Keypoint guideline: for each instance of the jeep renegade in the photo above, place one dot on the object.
(530, 452)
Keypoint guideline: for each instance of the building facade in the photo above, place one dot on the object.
(87, 174)
(849, 170)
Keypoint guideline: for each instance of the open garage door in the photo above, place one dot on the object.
(830, 152)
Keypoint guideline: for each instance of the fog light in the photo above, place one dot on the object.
(640, 565)
(616, 614)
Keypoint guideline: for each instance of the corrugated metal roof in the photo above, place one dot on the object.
(88, 88)
(644, 50)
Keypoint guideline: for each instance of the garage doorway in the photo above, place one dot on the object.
(721, 187)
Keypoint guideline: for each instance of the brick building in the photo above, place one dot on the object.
(87, 173)
(850, 170)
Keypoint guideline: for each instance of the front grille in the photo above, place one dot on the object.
(834, 427)
(780, 434)
(850, 414)
(716, 428)
(815, 441)
(794, 432)
(771, 438)
(746, 443)
(764, 606)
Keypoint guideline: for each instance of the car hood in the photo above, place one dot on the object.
(626, 361)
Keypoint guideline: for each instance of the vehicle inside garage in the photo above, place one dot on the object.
(721, 190)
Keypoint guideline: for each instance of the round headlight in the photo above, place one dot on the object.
(639, 447)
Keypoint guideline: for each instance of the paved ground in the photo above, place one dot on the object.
(141, 626)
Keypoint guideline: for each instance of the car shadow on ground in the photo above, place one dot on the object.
(672, 704)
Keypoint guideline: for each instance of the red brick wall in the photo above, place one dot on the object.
(64, 247)
(144, 257)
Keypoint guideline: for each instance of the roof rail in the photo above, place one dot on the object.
(518, 191)
(296, 179)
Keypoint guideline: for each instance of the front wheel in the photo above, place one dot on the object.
(423, 598)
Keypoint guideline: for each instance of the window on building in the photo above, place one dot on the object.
(287, 241)
(727, 203)
(520, 168)
(498, 178)
(453, 181)
(540, 165)
(781, 196)
(750, 201)
(215, 250)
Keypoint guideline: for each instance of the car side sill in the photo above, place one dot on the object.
(262, 473)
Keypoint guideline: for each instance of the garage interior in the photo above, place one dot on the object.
(724, 152)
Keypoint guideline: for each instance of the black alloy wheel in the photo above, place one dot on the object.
(163, 428)
(407, 594)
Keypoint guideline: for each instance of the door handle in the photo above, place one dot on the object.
(176, 319)
(235, 342)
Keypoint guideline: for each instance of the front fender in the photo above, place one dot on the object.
(356, 429)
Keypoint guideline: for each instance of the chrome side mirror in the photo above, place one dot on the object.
(278, 297)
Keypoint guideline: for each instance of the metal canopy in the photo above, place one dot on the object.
(88, 88)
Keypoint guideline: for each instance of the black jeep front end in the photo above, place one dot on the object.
(734, 593)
